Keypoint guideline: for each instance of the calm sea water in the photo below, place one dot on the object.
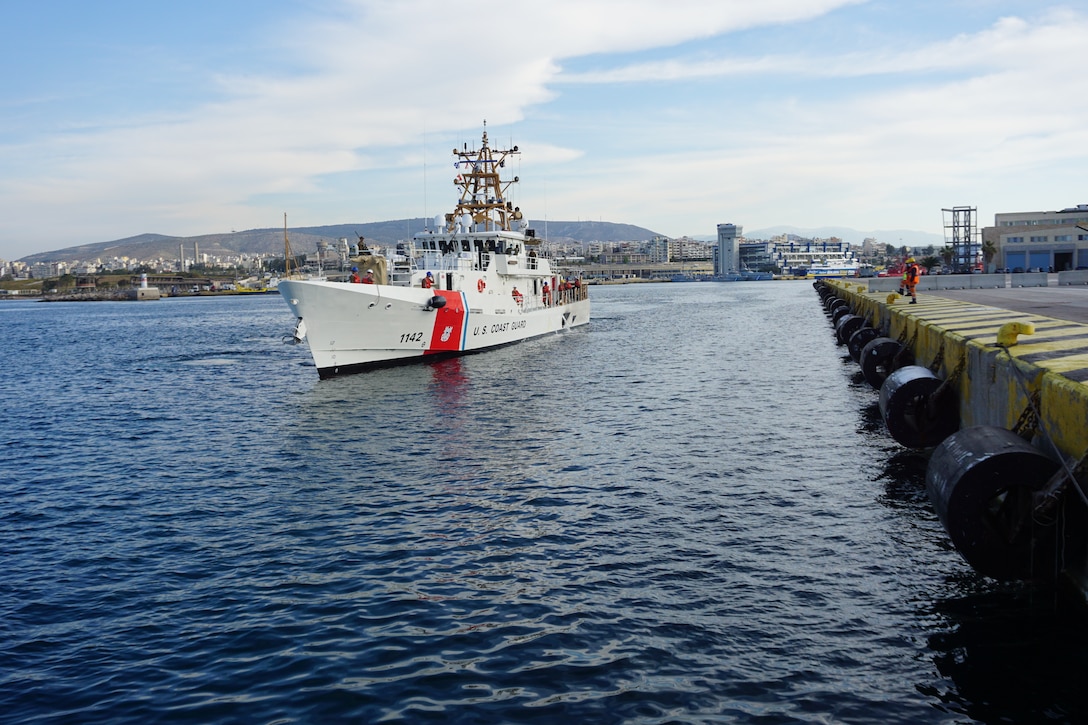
(687, 512)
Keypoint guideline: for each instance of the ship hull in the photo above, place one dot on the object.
(351, 328)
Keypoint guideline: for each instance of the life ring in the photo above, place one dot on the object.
(480, 285)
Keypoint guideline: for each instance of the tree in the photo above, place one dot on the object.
(929, 263)
(277, 265)
(989, 251)
(946, 256)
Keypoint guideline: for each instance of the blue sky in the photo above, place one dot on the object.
(119, 118)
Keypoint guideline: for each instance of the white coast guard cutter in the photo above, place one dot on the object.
(490, 287)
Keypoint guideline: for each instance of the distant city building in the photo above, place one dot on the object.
(801, 257)
(819, 257)
(686, 249)
(1045, 240)
(727, 253)
(660, 250)
(789, 254)
(757, 256)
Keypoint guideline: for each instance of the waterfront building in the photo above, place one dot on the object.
(757, 256)
(1047, 240)
(830, 257)
(790, 255)
(727, 253)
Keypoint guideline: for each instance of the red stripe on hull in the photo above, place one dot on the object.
(449, 323)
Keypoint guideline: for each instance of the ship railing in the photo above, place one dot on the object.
(401, 272)
(572, 294)
(560, 297)
(434, 262)
(452, 262)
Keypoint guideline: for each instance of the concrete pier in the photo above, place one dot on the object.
(997, 380)
(1014, 353)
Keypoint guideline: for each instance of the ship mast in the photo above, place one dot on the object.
(482, 202)
(286, 250)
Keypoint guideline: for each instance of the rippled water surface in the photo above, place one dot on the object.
(687, 511)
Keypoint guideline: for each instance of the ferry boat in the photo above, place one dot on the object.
(478, 283)
(837, 268)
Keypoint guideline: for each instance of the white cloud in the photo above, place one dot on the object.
(341, 133)
(996, 117)
(1011, 42)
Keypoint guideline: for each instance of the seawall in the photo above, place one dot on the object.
(1007, 367)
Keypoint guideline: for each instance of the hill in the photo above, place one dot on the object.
(895, 237)
(305, 239)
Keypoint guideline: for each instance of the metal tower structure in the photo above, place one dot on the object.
(961, 233)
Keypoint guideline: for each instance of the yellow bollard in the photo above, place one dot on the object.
(1006, 336)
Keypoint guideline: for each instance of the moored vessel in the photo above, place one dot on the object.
(745, 275)
(478, 282)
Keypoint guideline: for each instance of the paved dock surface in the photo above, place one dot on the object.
(1062, 303)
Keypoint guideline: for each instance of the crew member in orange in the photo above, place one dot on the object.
(355, 275)
(912, 276)
(428, 281)
(547, 294)
(369, 278)
(517, 296)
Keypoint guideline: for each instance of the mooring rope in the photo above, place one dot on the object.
(1034, 403)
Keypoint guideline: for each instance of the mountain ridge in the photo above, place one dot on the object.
(149, 246)
(895, 237)
(304, 239)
